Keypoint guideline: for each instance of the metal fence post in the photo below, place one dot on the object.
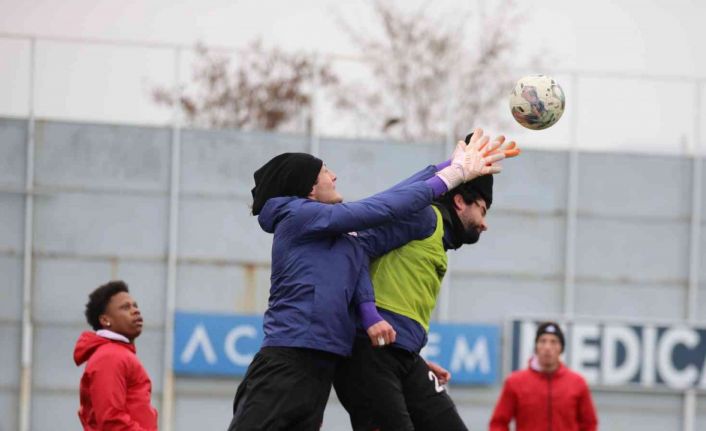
(694, 247)
(167, 415)
(571, 206)
(444, 300)
(27, 323)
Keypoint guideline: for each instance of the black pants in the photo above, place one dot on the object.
(392, 389)
(285, 388)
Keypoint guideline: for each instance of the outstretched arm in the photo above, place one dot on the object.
(383, 239)
(391, 205)
(317, 218)
(479, 157)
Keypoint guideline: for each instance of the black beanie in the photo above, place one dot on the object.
(550, 328)
(289, 174)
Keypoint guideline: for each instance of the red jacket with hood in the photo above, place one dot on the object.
(115, 388)
(538, 401)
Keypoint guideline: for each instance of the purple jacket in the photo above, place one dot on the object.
(320, 267)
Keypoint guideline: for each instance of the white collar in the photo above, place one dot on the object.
(107, 333)
(534, 364)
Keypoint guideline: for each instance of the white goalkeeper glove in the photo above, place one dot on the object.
(468, 162)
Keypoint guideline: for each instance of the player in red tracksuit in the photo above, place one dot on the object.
(115, 388)
(547, 395)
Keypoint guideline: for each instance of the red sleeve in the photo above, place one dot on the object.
(504, 409)
(109, 392)
(587, 413)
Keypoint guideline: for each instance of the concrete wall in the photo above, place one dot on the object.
(101, 211)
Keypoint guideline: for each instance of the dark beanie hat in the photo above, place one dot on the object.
(550, 328)
(289, 174)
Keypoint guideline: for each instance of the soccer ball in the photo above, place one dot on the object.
(537, 102)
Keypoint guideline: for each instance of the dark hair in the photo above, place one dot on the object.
(469, 195)
(98, 300)
(471, 192)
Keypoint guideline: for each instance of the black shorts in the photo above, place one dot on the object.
(393, 389)
(285, 388)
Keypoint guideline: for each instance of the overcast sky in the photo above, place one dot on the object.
(627, 41)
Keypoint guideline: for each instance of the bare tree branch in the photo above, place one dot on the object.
(267, 89)
(420, 65)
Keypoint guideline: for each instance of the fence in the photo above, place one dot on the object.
(578, 233)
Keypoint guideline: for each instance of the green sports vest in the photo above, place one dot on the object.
(407, 280)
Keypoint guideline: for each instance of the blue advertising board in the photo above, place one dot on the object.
(215, 344)
(225, 344)
(470, 352)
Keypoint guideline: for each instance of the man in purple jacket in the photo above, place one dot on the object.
(320, 279)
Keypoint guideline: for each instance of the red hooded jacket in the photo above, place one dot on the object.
(115, 388)
(558, 401)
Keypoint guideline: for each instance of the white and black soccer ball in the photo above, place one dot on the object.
(537, 102)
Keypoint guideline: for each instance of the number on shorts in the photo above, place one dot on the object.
(437, 386)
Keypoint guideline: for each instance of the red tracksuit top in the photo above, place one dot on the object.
(538, 401)
(115, 388)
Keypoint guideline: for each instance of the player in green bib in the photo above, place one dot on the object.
(422, 264)
(394, 388)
